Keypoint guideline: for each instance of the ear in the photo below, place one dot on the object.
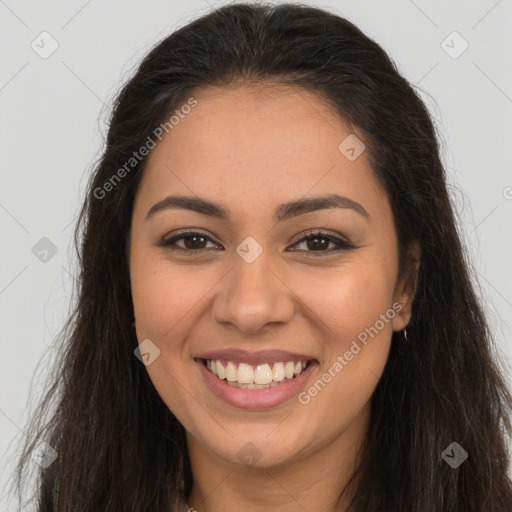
(406, 286)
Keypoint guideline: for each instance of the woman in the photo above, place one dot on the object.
(275, 310)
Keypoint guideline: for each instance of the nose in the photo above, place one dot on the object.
(252, 296)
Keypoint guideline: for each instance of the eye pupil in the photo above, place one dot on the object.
(314, 239)
(194, 237)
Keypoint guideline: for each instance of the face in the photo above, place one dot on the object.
(257, 280)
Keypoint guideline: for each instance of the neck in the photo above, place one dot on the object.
(318, 478)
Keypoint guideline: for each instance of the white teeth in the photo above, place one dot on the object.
(220, 370)
(231, 373)
(259, 377)
(245, 374)
(278, 372)
(263, 374)
(288, 370)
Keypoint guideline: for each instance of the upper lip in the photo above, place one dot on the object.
(254, 358)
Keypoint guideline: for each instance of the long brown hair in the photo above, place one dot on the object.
(118, 445)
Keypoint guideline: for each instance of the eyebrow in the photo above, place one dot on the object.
(283, 212)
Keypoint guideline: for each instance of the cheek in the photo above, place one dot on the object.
(164, 296)
(346, 299)
(165, 300)
(348, 307)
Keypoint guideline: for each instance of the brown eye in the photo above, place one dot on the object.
(192, 242)
(318, 241)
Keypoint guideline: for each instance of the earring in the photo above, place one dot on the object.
(405, 334)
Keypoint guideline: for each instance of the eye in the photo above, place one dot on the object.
(195, 242)
(316, 239)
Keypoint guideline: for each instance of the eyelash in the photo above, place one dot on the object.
(340, 244)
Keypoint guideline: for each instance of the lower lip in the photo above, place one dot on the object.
(255, 398)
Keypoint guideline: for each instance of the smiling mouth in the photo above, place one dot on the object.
(261, 376)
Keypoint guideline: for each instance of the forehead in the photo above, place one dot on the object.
(256, 146)
(243, 115)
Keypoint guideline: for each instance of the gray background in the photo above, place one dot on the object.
(53, 115)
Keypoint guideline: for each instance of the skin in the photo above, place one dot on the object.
(251, 149)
